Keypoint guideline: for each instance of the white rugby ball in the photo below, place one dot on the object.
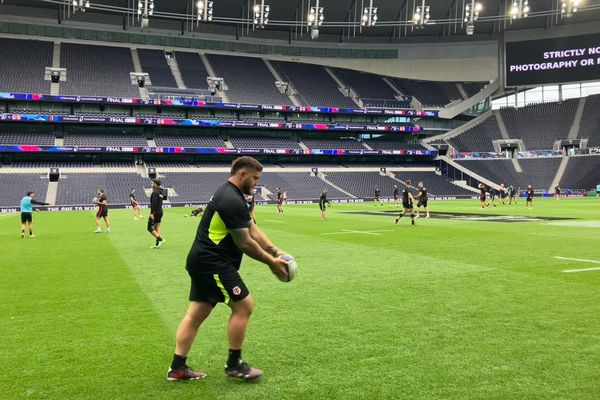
(291, 267)
(94, 200)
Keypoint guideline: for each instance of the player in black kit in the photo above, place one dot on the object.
(378, 196)
(322, 201)
(396, 196)
(529, 200)
(422, 200)
(482, 195)
(102, 213)
(279, 194)
(156, 212)
(512, 195)
(556, 192)
(137, 210)
(225, 233)
(407, 204)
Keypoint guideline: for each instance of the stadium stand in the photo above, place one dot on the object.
(366, 85)
(80, 188)
(392, 144)
(97, 71)
(314, 85)
(154, 62)
(252, 83)
(263, 143)
(538, 172)
(25, 73)
(19, 184)
(590, 121)
(299, 186)
(429, 93)
(188, 141)
(582, 172)
(347, 144)
(540, 125)
(479, 137)
(22, 137)
(193, 186)
(472, 88)
(192, 70)
(104, 139)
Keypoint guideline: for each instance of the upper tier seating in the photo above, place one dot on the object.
(97, 71)
(22, 65)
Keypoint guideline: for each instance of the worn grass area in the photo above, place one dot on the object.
(451, 309)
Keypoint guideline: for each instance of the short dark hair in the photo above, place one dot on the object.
(408, 182)
(245, 162)
(157, 182)
(101, 190)
(29, 193)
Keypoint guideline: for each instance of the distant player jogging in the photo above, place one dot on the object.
(156, 212)
(556, 192)
(407, 204)
(280, 200)
(378, 196)
(396, 196)
(482, 195)
(226, 232)
(102, 213)
(27, 203)
(422, 200)
(137, 210)
(512, 195)
(322, 204)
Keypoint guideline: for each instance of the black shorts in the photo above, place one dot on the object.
(157, 219)
(322, 206)
(102, 213)
(422, 203)
(224, 287)
(407, 205)
(26, 217)
(481, 198)
(529, 199)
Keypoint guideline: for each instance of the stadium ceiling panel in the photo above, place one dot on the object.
(342, 17)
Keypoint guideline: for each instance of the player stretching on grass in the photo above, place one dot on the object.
(322, 201)
(225, 233)
(156, 212)
(407, 204)
(102, 212)
(27, 212)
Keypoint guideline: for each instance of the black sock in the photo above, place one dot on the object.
(234, 357)
(178, 362)
(412, 218)
(23, 231)
(30, 232)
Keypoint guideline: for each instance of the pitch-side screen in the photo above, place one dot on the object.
(558, 60)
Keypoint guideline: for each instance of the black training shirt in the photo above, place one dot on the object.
(214, 250)
(156, 201)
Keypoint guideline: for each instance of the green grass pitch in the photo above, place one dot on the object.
(451, 309)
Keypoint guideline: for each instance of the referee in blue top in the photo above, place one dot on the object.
(26, 212)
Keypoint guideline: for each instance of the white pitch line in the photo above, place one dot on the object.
(347, 231)
(272, 220)
(580, 260)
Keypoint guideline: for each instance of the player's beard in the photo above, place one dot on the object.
(247, 185)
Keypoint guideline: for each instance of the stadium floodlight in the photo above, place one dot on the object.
(205, 10)
(144, 10)
(369, 17)
(261, 14)
(421, 15)
(519, 9)
(315, 18)
(568, 8)
(472, 10)
(80, 5)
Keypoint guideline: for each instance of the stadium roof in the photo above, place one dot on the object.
(287, 18)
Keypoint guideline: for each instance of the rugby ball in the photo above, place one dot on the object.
(291, 267)
(94, 200)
